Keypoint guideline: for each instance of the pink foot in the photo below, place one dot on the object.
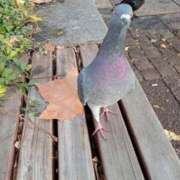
(55, 77)
(100, 129)
(106, 111)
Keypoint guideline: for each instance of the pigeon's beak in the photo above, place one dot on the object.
(126, 17)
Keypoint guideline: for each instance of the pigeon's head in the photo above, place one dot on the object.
(123, 13)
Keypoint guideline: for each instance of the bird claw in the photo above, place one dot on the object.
(106, 111)
(101, 130)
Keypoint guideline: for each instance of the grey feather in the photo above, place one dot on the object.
(109, 78)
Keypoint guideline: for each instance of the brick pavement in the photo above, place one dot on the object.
(154, 53)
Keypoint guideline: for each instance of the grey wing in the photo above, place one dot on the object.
(82, 88)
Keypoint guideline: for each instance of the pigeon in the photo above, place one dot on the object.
(109, 77)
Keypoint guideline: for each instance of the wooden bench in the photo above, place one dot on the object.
(136, 147)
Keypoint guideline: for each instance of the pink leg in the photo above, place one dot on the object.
(106, 111)
(100, 129)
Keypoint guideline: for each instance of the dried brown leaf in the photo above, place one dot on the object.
(62, 96)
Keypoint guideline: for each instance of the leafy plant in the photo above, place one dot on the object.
(15, 39)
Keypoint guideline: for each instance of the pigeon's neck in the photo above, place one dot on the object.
(114, 41)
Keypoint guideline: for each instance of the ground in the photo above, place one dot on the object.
(154, 53)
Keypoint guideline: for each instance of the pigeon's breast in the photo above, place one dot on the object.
(111, 81)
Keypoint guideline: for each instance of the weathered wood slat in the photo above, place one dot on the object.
(8, 128)
(158, 154)
(35, 161)
(88, 51)
(117, 153)
(8, 122)
(75, 162)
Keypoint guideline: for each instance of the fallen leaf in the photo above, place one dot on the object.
(156, 106)
(3, 90)
(34, 18)
(17, 145)
(126, 48)
(162, 45)
(172, 136)
(19, 3)
(178, 54)
(62, 96)
(49, 47)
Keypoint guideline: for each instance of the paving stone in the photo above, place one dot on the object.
(165, 33)
(177, 94)
(177, 2)
(175, 43)
(165, 69)
(173, 60)
(154, 7)
(178, 33)
(147, 23)
(143, 64)
(173, 82)
(136, 52)
(154, 35)
(177, 67)
(79, 21)
(151, 74)
(167, 107)
(168, 52)
(131, 41)
(172, 21)
(151, 51)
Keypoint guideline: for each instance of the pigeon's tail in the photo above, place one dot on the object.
(135, 4)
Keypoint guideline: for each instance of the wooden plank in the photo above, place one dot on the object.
(8, 127)
(117, 153)
(88, 51)
(158, 154)
(35, 161)
(75, 160)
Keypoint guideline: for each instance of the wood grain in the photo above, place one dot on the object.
(117, 153)
(88, 52)
(75, 161)
(35, 161)
(157, 152)
(8, 128)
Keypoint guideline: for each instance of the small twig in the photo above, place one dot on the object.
(54, 138)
